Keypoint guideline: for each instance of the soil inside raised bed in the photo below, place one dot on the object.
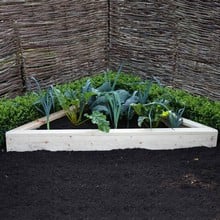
(65, 123)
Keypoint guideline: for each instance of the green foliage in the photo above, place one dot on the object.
(150, 113)
(15, 112)
(73, 102)
(124, 81)
(197, 108)
(109, 84)
(20, 110)
(114, 106)
(45, 101)
(99, 119)
(111, 101)
(175, 118)
(143, 94)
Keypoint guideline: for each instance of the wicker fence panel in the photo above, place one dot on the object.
(142, 37)
(177, 41)
(60, 40)
(10, 77)
(198, 57)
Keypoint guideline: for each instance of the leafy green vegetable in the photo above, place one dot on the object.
(114, 106)
(143, 95)
(74, 102)
(175, 118)
(99, 119)
(107, 86)
(150, 112)
(45, 101)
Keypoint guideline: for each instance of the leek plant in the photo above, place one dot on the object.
(45, 101)
(114, 107)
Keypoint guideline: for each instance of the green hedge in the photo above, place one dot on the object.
(20, 110)
(15, 112)
(197, 108)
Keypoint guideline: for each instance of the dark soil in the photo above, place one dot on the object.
(64, 123)
(121, 184)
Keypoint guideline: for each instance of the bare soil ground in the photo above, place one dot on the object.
(120, 184)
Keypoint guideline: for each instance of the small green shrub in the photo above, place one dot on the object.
(199, 108)
(15, 112)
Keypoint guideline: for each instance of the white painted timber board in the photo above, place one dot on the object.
(24, 139)
(41, 121)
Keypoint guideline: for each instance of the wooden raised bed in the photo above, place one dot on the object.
(28, 138)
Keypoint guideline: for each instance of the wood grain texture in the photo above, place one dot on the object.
(25, 138)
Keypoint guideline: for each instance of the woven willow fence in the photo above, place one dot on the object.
(178, 41)
(10, 77)
(59, 41)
